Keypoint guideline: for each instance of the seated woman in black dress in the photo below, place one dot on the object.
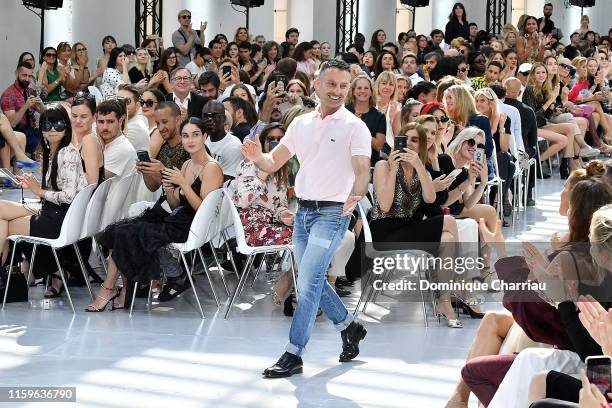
(133, 244)
(402, 186)
(62, 178)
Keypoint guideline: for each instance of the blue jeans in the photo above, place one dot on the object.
(317, 234)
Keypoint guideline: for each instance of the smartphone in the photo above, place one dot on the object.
(227, 70)
(399, 143)
(479, 155)
(598, 371)
(143, 156)
(455, 173)
(34, 92)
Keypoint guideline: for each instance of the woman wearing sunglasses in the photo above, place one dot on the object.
(62, 178)
(50, 76)
(148, 101)
(261, 200)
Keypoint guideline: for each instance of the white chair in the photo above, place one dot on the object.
(117, 205)
(203, 229)
(495, 181)
(69, 235)
(96, 93)
(371, 253)
(228, 207)
(91, 225)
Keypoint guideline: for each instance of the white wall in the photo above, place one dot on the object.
(375, 14)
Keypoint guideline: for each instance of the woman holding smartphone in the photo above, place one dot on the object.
(402, 185)
(133, 244)
(261, 200)
(62, 178)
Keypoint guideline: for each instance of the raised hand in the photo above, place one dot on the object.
(251, 150)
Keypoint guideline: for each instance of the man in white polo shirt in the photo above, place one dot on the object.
(333, 148)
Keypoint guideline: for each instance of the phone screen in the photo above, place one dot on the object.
(143, 156)
(599, 373)
(400, 143)
(227, 70)
(479, 155)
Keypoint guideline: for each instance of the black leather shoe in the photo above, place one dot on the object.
(531, 202)
(351, 336)
(341, 281)
(342, 292)
(286, 366)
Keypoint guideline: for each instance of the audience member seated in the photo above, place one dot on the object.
(224, 147)
(401, 186)
(261, 200)
(191, 104)
(362, 103)
(119, 154)
(137, 124)
(141, 69)
(62, 178)
(11, 144)
(21, 104)
(82, 118)
(133, 244)
(243, 115)
(385, 94)
(149, 100)
(115, 74)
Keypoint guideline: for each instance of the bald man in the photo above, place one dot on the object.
(528, 125)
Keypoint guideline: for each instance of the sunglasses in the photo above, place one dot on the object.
(81, 49)
(471, 142)
(443, 119)
(50, 55)
(565, 66)
(464, 69)
(186, 17)
(81, 96)
(212, 115)
(147, 102)
(58, 126)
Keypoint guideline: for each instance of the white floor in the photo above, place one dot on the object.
(170, 357)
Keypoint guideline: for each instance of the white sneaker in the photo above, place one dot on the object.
(589, 152)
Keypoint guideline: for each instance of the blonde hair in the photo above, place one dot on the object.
(464, 103)
(148, 66)
(386, 76)
(493, 101)
(350, 100)
(468, 133)
(601, 227)
(578, 62)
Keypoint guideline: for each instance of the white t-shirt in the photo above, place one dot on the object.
(138, 133)
(227, 152)
(120, 157)
(195, 70)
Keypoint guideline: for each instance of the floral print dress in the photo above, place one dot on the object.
(260, 205)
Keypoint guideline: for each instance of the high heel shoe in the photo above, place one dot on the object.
(469, 311)
(452, 323)
(95, 309)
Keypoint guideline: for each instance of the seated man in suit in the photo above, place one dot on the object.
(191, 104)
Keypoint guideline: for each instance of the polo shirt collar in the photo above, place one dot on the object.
(339, 114)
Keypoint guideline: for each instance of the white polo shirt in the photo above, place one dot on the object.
(324, 148)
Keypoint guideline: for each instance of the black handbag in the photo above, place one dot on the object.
(18, 287)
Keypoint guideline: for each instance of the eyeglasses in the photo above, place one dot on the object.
(147, 102)
(186, 17)
(81, 49)
(58, 126)
(565, 66)
(464, 69)
(181, 79)
(51, 55)
(442, 119)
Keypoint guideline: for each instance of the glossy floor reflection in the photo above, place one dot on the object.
(170, 357)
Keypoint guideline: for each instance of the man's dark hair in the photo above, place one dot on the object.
(409, 55)
(499, 90)
(436, 31)
(111, 106)
(472, 25)
(245, 45)
(174, 108)
(349, 58)
(390, 44)
(334, 63)
(131, 89)
(357, 48)
(212, 43)
(204, 51)
(248, 110)
(291, 30)
(433, 54)
(209, 77)
(287, 66)
(548, 4)
(423, 87)
(497, 64)
(255, 48)
(24, 64)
